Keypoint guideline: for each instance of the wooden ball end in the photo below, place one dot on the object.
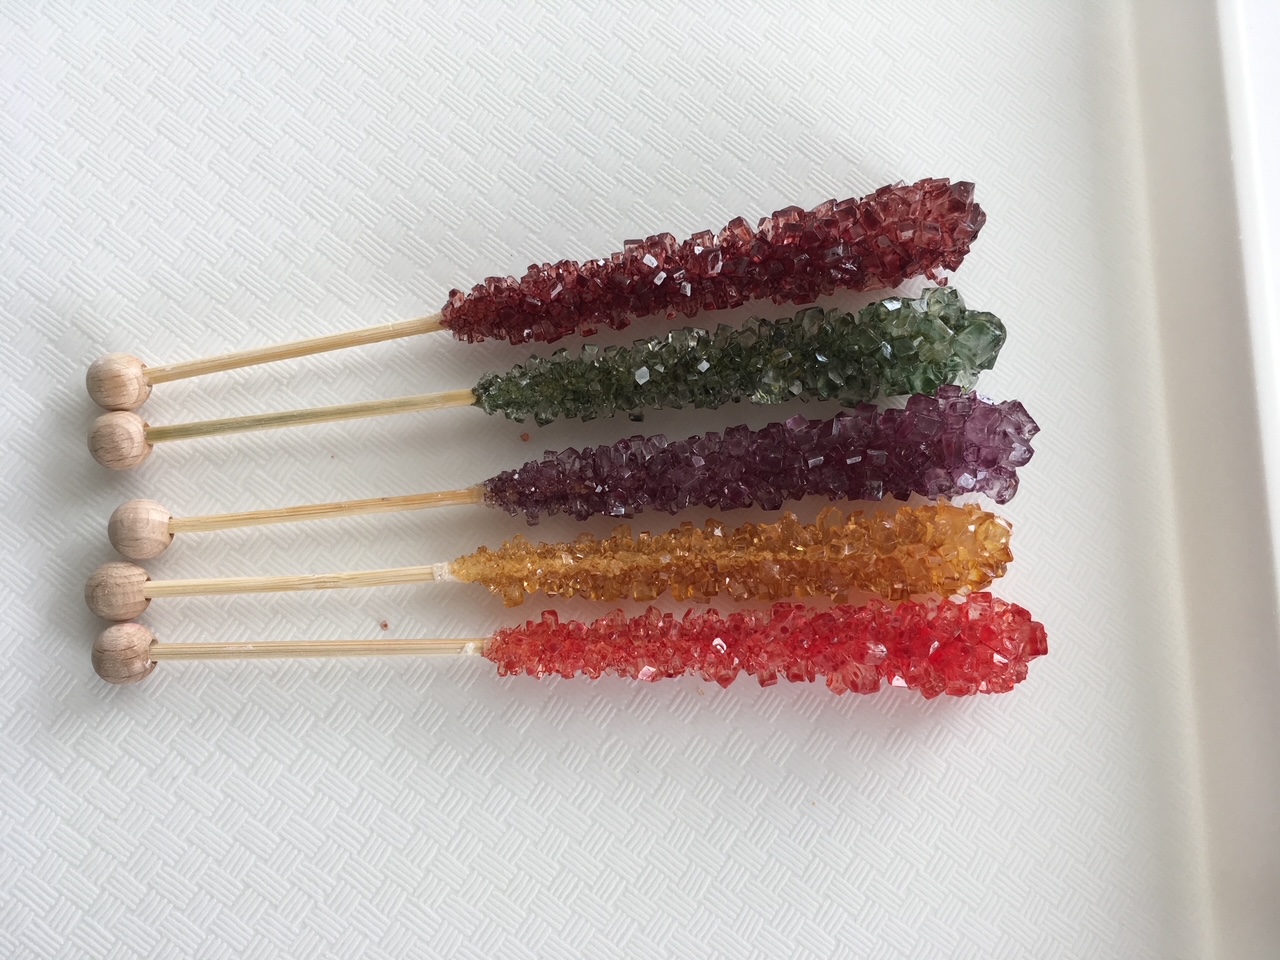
(118, 381)
(115, 591)
(118, 440)
(122, 653)
(139, 529)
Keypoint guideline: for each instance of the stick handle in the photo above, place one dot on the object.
(320, 511)
(294, 418)
(299, 649)
(287, 351)
(143, 529)
(216, 586)
(121, 591)
(120, 439)
(128, 652)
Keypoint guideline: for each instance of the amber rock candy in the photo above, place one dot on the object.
(933, 549)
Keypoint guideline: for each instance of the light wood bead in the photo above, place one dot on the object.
(122, 653)
(118, 381)
(118, 440)
(139, 529)
(114, 591)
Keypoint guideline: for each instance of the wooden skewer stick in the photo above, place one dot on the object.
(120, 381)
(143, 529)
(121, 440)
(122, 591)
(128, 652)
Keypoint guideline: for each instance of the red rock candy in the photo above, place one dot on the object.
(794, 256)
(979, 645)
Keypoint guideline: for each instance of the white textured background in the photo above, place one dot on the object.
(176, 182)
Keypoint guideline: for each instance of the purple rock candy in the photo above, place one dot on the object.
(943, 446)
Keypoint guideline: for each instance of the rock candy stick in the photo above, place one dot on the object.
(977, 645)
(931, 549)
(943, 446)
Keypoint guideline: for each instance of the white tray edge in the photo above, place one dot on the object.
(1205, 289)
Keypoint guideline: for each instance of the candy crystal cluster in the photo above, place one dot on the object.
(793, 256)
(979, 645)
(943, 446)
(938, 548)
(895, 346)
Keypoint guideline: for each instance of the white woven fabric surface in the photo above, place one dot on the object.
(177, 182)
